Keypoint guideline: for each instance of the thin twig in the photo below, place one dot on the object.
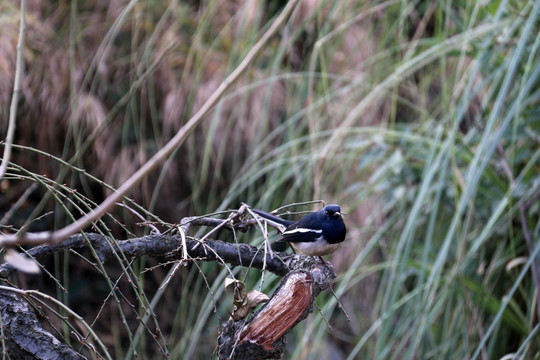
(324, 317)
(267, 246)
(7, 216)
(134, 212)
(229, 220)
(16, 91)
(299, 204)
(340, 305)
(184, 245)
(171, 273)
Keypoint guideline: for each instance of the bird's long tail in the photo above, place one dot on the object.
(275, 221)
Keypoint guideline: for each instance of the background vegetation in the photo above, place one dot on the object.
(421, 118)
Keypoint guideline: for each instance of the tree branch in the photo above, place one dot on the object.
(23, 336)
(260, 337)
(162, 246)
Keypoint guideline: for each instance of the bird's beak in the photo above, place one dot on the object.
(337, 213)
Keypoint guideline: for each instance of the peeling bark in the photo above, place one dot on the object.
(287, 306)
(263, 336)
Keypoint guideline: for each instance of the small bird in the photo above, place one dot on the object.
(317, 234)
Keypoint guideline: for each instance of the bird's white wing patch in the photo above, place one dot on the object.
(302, 230)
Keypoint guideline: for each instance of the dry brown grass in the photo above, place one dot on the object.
(67, 101)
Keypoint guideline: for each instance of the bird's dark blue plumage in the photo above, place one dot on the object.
(319, 233)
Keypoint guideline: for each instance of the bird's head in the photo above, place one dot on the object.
(332, 211)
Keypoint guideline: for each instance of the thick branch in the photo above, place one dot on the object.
(163, 246)
(24, 338)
